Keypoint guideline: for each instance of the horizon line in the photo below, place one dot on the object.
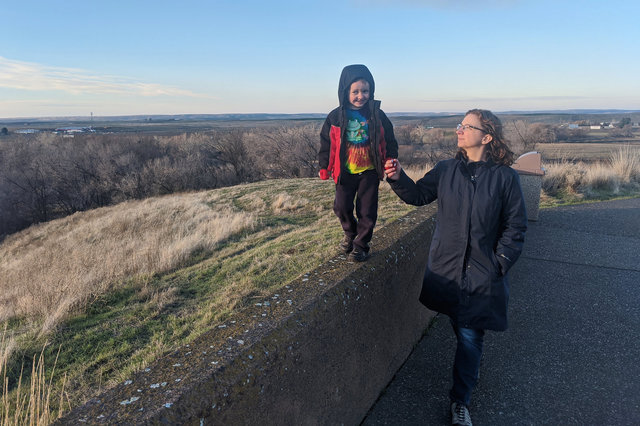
(396, 113)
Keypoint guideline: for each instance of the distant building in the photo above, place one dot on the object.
(27, 131)
(74, 130)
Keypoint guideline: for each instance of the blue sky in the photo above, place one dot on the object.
(232, 56)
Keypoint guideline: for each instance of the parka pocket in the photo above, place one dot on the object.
(497, 265)
(480, 275)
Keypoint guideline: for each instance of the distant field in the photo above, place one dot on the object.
(583, 151)
(175, 124)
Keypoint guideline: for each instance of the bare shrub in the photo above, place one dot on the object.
(623, 132)
(437, 137)
(419, 144)
(45, 176)
(407, 154)
(288, 152)
(233, 151)
(625, 162)
(565, 134)
(405, 136)
(600, 177)
(524, 136)
(561, 176)
(620, 173)
(64, 264)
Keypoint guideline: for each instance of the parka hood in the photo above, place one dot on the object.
(352, 73)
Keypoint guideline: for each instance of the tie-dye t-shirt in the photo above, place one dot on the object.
(358, 157)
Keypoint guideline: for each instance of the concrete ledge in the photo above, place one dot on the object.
(318, 352)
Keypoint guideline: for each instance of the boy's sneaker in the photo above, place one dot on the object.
(358, 255)
(346, 245)
(460, 414)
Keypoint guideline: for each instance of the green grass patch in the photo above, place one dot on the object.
(143, 318)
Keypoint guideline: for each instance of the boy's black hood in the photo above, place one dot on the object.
(352, 73)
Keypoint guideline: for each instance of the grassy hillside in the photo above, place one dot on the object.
(115, 288)
(108, 291)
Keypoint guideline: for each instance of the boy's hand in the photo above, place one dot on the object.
(324, 174)
(392, 168)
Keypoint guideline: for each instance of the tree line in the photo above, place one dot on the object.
(45, 176)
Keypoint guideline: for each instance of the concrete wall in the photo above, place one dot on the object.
(531, 187)
(318, 352)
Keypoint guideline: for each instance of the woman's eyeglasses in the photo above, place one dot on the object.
(464, 127)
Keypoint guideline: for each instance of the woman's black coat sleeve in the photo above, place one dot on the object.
(514, 224)
(419, 193)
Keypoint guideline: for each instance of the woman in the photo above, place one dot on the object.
(479, 235)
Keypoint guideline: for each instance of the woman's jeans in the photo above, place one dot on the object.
(466, 364)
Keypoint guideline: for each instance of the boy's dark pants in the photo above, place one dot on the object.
(365, 185)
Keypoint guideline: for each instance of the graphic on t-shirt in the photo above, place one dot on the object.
(358, 145)
(357, 131)
(358, 159)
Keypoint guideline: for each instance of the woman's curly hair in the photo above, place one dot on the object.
(497, 149)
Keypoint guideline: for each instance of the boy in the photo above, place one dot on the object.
(355, 141)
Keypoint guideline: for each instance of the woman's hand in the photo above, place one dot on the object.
(392, 168)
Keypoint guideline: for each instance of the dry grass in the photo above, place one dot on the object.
(625, 163)
(286, 203)
(32, 405)
(573, 181)
(51, 269)
(414, 172)
(586, 152)
(198, 258)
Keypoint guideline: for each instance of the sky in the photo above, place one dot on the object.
(140, 57)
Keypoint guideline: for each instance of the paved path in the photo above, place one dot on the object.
(572, 353)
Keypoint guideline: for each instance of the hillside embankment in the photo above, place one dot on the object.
(319, 353)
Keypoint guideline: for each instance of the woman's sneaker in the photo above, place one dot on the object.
(460, 414)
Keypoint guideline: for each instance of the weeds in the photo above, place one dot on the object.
(33, 406)
(625, 163)
(569, 182)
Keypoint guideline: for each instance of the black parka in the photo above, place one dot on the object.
(479, 235)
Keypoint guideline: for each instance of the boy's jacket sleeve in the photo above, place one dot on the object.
(325, 145)
(389, 136)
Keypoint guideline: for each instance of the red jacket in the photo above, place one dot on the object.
(332, 155)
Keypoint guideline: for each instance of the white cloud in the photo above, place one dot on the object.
(36, 77)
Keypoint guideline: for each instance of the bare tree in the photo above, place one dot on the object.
(525, 136)
(232, 150)
(290, 151)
